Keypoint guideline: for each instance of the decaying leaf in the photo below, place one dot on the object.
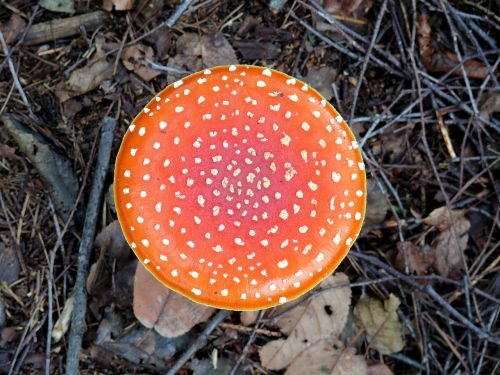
(135, 58)
(117, 4)
(348, 8)
(321, 79)
(169, 313)
(252, 49)
(443, 218)
(216, 50)
(89, 77)
(449, 247)
(196, 52)
(381, 323)
(112, 240)
(62, 324)
(437, 61)
(13, 28)
(322, 359)
(419, 260)
(324, 316)
(450, 244)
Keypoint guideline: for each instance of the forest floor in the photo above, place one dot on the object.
(419, 292)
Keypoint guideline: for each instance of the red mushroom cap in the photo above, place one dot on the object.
(240, 187)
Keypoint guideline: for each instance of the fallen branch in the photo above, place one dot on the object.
(78, 326)
(65, 27)
(54, 169)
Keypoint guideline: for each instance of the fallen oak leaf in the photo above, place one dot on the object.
(169, 313)
(381, 323)
(135, 58)
(323, 316)
(450, 244)
(419, 259)
(436, 61)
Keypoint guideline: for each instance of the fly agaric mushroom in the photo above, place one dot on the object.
(240, 187)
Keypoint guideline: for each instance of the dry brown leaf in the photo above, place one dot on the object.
(436, 61)
(118, 4)
(13, 28)
(419, 259)
(252, 49)
(112, 240)
(135, 58)
(323, 316)
(195, 53)
(381, 323)
(321, 79)
(216, 50)
(169, 313)
(322, 358)
(443, 218)
(449, 246)
(348, 8)
(89, 77)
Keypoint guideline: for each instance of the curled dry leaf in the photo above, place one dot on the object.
(443, 218)
(169, 313)
(381, 323)
(135, 58)
(322, 358)
(450, 244)
(62, 324)
(419, 260)
(87, 78)
(436, 61)
(324, 316)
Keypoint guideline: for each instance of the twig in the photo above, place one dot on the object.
(199, 343)
(169, 23)
(78, 326)
(367, 58)
(244, 352)
(14, 74)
